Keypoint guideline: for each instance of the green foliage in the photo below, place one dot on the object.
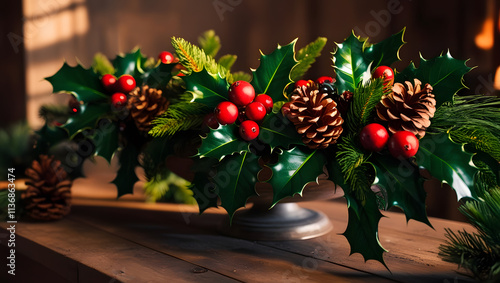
(15, 145)
(85, 119)
(204, 190)
(306, 56)
(101, 65)
(478, 252)
(130, 64)
(159, 76)
(227, 61)
(296, 167)
(206, 89)
(277, 130)
(105, 139)
(361, 109)
(179, 117)
(240, 76)
(167, 186)
(221, 142)
(209, 43)
(444, 73)
(385, 52)
(126, 178)
(52, 113)
(273, 74)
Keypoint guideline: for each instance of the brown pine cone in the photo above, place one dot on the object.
(48, 196)
(315, 117)
(409, 109)
(145, 104)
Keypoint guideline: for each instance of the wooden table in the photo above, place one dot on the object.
(131, 241)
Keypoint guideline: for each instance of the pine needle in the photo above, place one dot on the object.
(179, 117)
(210, 43)
(361, 110)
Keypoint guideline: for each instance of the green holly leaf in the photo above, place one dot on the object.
(444, 73)
(235, 180)
(159, 76)
(130, 64)
(105, 139)
(126, 177)
(273, 74)
(206, 89)
(306, 56)
(83, 83)
(362, 229)
(85, 119)
(350, 63)
(221, 142)
(401, 185)
(204, 190)
(385, 52)
(277, 130)
(448, 162)
(295, 168)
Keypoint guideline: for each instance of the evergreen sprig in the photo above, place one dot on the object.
(179, 117)
(365, 98)
(210, 43)
(306, 56)
(102, 65)
(478, 252)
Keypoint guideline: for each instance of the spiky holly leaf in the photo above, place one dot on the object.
(222, 141)
(306, 56)
(235, 180)
(385, 52)
(131, 64)
(85, 119)
(159, 76)
(204, 190)
(277, 130)
(350, 63)
(402, 186)
(444, 73)
(362, 228)
(126, 177)
(83, 83)
(448, 162)
(206, 89)
(273, 74)
(105, 139)
(295, 168)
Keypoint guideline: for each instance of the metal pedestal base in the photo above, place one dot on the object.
(285, 221)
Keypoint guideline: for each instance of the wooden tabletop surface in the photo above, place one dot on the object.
(132, 241)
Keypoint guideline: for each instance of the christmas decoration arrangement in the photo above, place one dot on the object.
(373, 129)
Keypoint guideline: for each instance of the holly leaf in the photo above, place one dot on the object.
(273, 74)
(221, 142)
(276, 130)
(350, 63)
(362, 229)
(85, 119)
(235, 179)
(401, 186)
(105, 139)
(83, 83)
(159, 76)
(306, 56)
(126, 177)
(207, 89)
(130, 64)
(385, 52)
(444, 73)
(204, 190)
(448, 162)
(295, 168)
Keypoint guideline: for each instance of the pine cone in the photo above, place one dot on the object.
(48, 196)
(145, 104)
(315, 117)
(408, 109)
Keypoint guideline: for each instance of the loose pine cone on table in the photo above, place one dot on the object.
(315, 117)
(409, 109)
(145, 104)
(48, 196)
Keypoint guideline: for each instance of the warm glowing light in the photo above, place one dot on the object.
(485, 38)
(496, 83)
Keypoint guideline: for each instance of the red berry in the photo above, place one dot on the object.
(324, 79)
(118, 99)
(403, 145)
(301, 83)
(374, 137)
(211, 121)
(125, 84)
(226, 113)
(255, 111)
(166, 57)
(108, 81)
(386, 73)
(249, 130)
(241, 93)
(266, 100)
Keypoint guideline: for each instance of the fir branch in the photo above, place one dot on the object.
(195, 59)
(227, 61)
(210, 43)
(482, 139)
(361, 110)
(102, 65)
(179, 117)
(306, 56)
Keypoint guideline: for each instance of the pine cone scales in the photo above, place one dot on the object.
(409, 109)
(315, 117)
(48, 196)
(145, 104)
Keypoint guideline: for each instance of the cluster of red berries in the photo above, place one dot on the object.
(324, 83)
(119, 87)
(243, 106)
